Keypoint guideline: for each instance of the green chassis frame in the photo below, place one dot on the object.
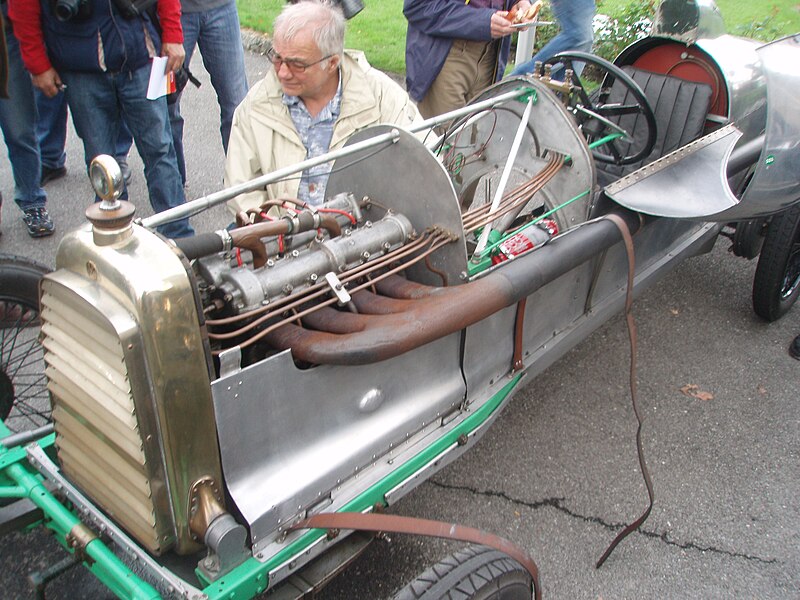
(18, 480)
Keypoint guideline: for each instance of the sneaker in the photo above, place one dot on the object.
(38, 221)
(127, 175)
(50, 173)
(794, 348)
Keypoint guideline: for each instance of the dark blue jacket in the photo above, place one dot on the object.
(127, 44)
(432, 27)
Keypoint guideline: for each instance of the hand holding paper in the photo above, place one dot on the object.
(160, 84)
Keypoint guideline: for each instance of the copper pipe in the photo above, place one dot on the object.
(445, 311)
(321, 288)
(304, 298)
(523, 191)
(517, 198)
(268, 330)
(334, 321)
(369, 303)
(249, 236)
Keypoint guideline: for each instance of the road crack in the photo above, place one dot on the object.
(559, 504)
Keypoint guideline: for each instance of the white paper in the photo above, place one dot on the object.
(158, 79)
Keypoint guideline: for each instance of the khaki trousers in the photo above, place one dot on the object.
(470, 66)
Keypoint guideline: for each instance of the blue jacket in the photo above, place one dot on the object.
(432, 27)
(127, 44)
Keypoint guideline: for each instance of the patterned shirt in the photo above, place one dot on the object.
(315, 133)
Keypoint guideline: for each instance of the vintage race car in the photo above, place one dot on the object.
(218, 401)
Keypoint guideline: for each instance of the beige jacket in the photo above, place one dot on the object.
(263, 137)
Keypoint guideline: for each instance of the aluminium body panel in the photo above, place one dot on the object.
(564, 311)
(485, 142)
(289, 436)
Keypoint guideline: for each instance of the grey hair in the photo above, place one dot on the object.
(325, 19)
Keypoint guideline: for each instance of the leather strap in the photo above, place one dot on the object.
(628, 241)
(519, 327)
(439, 529)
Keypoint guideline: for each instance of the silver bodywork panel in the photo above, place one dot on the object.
(395, 177)
(692, 182)
(776, 182)
(288, 436)
(688, 21)
(688, 183)
(551, 129)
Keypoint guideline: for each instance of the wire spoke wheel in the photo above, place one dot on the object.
(24, 399)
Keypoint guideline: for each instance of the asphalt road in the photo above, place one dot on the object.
(558, 473)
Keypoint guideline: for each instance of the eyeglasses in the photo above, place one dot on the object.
(295, 66)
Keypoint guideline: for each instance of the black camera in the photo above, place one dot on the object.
(69, 10)
(351, 8)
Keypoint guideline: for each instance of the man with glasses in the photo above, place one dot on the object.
(312, 100)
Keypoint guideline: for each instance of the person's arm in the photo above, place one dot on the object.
(241, 161)
(26, 18)
(169, 16)
(455, 19)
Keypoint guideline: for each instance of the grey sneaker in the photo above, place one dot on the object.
(127, 174)
(38, 222)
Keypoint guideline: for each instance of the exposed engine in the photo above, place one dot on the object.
(192, 340)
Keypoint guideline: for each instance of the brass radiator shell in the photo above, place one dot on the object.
(128, 370)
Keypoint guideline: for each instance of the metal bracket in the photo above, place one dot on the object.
(78, 538)
(342, 295)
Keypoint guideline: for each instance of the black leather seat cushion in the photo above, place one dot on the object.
(680, 109)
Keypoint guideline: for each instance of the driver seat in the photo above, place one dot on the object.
(680, 108)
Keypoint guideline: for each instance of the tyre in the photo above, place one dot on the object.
(777, 281)
(24, 399)
(476, 572)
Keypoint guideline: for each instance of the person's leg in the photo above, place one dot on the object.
(51, 131)
(95, 113)
(575, 17)
(190, 23)
(148, 122)
(452, 87)
(220, 43)
(122, 148)
(18, 123)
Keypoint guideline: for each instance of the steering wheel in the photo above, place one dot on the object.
(610, 109)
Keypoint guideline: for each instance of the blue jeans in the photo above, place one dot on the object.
(51, 131)
(18, 122)
(99, 102)
(216, 32)
(575, 19)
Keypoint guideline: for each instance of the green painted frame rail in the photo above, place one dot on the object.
(19, 480)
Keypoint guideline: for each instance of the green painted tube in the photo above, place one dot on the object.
(12, 491)
(107, 567)
(605, 140)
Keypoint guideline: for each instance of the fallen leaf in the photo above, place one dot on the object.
(674, 311)
(694, 391)
(762, 390)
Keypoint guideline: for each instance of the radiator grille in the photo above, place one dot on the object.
(97, 433)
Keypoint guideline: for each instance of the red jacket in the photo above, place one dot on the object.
(26, 17)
